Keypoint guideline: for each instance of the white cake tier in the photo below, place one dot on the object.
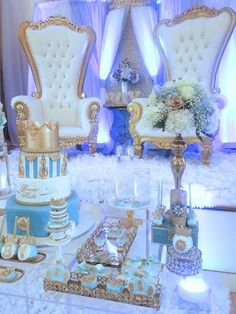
(42, 165)
(40, 192)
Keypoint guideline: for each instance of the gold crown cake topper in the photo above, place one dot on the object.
(41, 137)
(180, 230)
(57, 202)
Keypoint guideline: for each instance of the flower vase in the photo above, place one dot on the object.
(5, 184)
(124, 89)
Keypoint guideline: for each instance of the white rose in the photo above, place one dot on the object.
(169, 84)
(187, 92)
(152, 99)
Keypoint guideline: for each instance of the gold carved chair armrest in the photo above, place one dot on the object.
(89, 109)
(26, 108)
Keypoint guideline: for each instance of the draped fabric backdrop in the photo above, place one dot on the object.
(108, 26)
(93, 14)
(14, 63)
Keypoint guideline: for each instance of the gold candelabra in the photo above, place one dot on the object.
(178, 146)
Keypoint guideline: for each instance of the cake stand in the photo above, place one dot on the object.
(58, 244)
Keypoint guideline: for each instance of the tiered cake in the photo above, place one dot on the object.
(42, 176)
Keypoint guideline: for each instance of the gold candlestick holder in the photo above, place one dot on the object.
(178, 146)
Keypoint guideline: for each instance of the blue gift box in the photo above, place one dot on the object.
(164, 233)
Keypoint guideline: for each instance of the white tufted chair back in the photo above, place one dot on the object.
(192, 45)
(58, 53)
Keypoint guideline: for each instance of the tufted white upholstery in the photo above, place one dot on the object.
(58, 54)
(190, 45)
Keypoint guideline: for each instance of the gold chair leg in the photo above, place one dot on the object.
(22, 115)
(92, 148)
(206, 150)
(138, 150)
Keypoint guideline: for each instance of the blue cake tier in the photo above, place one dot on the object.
(38, 215)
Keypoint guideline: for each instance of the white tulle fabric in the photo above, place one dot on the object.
(115, 21)
(144, 20)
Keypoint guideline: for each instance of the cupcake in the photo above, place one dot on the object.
(114, 285)
(120, 242)
(89, 281)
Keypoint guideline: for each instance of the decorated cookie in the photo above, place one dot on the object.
(89, 281)
(114, 285)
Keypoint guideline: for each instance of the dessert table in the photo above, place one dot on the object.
(28, 296)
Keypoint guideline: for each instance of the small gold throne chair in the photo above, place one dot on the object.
(58, 52)
(191, 45)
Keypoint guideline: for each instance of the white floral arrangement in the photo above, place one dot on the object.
(2, 116)
(125, 73)
(182, 105)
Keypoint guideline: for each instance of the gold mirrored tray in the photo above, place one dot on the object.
(10, 274)
(39, 258)
(110, 242)
(136, 282)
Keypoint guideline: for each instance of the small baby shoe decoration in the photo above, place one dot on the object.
(114, 285)
(89, 281)
(10, 247)
(27, 252)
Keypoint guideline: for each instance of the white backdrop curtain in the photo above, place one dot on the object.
(93, 14)
(115, 21)
(144, 20)
(14, 63)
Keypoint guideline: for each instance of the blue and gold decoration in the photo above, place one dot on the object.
(58, 273)
(182, 257)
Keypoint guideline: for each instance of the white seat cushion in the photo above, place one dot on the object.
(68, 131)
(155, 132)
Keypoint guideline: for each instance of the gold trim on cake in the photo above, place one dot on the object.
(55, 156)
(57, 202)
(38, 203)
(43, 170)
(64, 165)
(21, 172)
(31, 157)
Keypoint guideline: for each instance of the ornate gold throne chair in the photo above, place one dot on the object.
(58, 52)
(190, 45)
